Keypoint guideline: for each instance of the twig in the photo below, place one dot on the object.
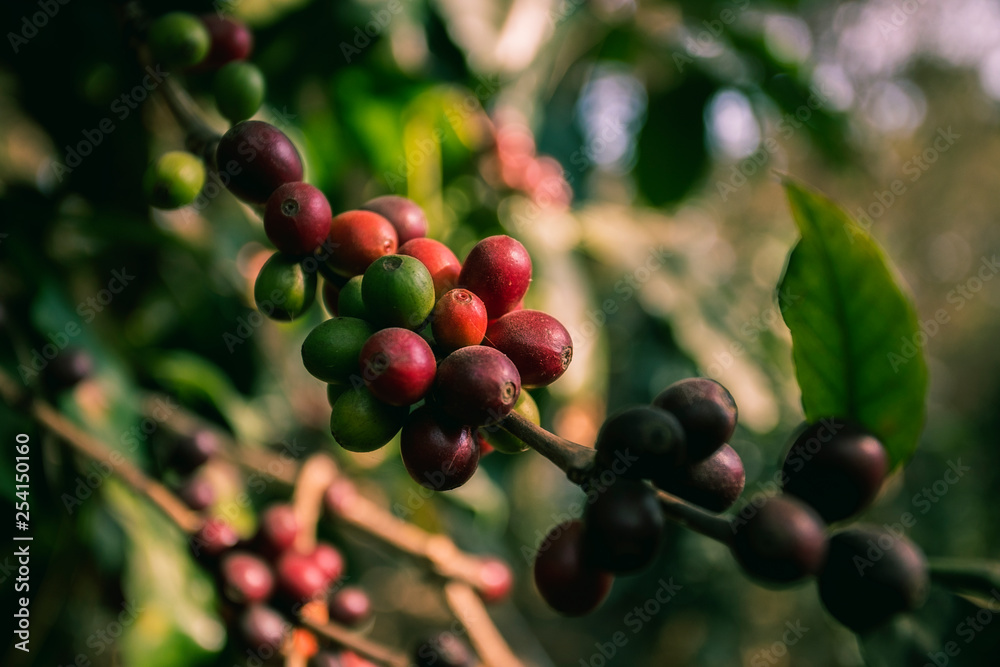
(314, 477)
(486, 639)
(357, 643)
(699, 520)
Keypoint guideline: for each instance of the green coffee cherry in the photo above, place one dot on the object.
(350, 302)
(507, 443)
(239, 90)
(283, 290)
(362, 423)
(398, 291)
(330, 352)
(334, 391)
(180, 39)
(174, 180)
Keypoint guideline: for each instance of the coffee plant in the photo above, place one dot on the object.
(314, 413)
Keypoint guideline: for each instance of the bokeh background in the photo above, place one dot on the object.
(632, 147)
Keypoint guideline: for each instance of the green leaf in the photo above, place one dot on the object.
(856, 341)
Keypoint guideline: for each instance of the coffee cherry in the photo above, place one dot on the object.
(358, 238)
(506, 442)
(215, 537)
(398, 366)
(565, 580)
(477, 385)
(438, 453)
(782, 542)
(297, 218)
(239, 90)
(326, 659)
(705, 409)
(198, 493)
(259, 158)
(178, 38)
(174, 180)
(193, 450)
(262, 626)
(278, 529)
(623, 527)
(333, 392)
(398, 292)
(439, 260)
(863, 592)
(498, 271)
(300, 577)
(230, 40)
(714, 483)
(360, 422)
(350, 302)
(640, 442)
(329, 560)
(330, 352)
(459, 320)
(536, 342)
(836, 467)
(406, 217)
(444, 650)
(350, 606)
(283, 290)
(245, 578)
(495, 580)
(68, 369)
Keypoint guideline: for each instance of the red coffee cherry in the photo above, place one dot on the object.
(566, 582)
(406, 217)
(350, 606)
(459, 320)
(213, 539)
(477, 385)
(329, 560)
(443, 650)
(358, 238)
(230, 40)
(714, 483)
(705, 409)
(198, 493)
(245, 578)
(438, 453)
(258, 158)
(623, 527)
(398, 366)
(536, 342)
(297, 218)
(279, 528)
(440, 261)
(498, 271)
(262, 626)
(496, 580)
(300, 576)
(781, 542)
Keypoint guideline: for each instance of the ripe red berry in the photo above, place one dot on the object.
(350, 606)
(279, 528)
(213, 539)
(440, 261)
(477, 385)
(536, 342)
(496, 580)
(438, 453)
(714, 483)
(565, 580)
(406, 217)
(258, 158)
(230, 40)
(262, 626)
(329, 560)
(245, 577)
(705, 409)
(198, 493)
(459, 320)
(498, 271)
(398, 366)
(623, 527)
(300, 576)
(444, 650)
(836, 467)
(297, 218)
(781, 542)
(358, 238)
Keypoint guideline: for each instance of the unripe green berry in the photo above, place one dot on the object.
(362, 423)
(174, 180)
(239, 90)
(398, 291)
(283, 290)
(330, 352)
(180, 39)
(506, 442)
(350, 302)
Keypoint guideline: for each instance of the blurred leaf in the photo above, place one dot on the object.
(968, 575)
(854, 331)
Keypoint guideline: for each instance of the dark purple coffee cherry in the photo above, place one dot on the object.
(871, 575)
(230, 40)
(439, 453)
(781, 542)
(714, 483)
(640, 442)
(350, 606)
(477, 385)
(262, 627)
(198, 493)
(623, 526)
(444, 650)
(278, 529)
(536, 342)
(258, 159)
(214, 538)
(405, 216)
(498, 271)
(836, 467)
(194, 450)
(300, 577)
(398, 366)
(297, 218)
(564, 578)
(705, 409)
(68, 369)
(245, 577)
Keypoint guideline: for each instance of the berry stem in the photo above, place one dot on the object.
(699, 520)
(314, 477)
(485, 637)
(573, 459)
(357, 643)
(968, 575)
